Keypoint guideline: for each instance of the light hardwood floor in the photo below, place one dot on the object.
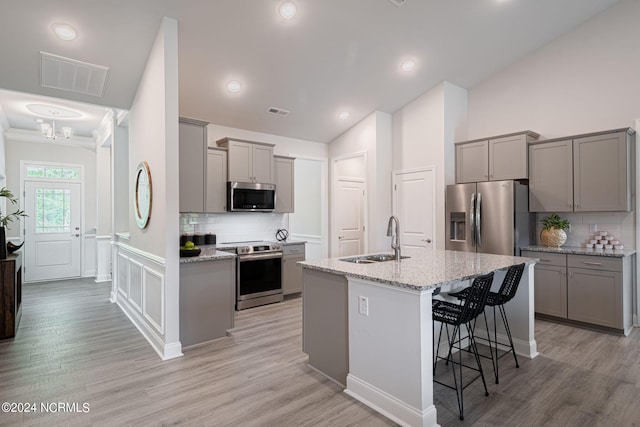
(75, 346)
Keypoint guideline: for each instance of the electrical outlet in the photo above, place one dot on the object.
(363, 305)
(593, 228)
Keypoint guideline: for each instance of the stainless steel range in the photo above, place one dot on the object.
(258, 273)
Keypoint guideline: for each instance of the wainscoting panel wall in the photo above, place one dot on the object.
(139, 290)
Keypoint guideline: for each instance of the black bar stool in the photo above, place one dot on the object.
(499, 299)
(457, 315)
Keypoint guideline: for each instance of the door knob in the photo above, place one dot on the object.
(75, 235)
(340, 237)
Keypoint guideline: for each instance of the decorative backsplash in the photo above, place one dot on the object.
(235, 226)
(619, 224)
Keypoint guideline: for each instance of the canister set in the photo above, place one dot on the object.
(604, 240)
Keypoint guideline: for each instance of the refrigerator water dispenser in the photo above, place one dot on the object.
(457, 226)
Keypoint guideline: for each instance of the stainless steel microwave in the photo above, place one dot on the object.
(250, 197)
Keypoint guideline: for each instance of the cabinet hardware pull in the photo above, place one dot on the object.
(544, 260)
(591, 263)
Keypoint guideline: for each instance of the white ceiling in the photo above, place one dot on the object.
(333, 55)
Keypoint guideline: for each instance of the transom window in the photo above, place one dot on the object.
(53, 172)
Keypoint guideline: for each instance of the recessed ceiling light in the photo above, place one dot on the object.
(287, 9)
(234, 86)
(344, 115)
(64, 31)
(408, 65)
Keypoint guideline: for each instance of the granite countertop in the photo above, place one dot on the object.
(574, 250)
(425, 269)
(208, 253)
(292, 242)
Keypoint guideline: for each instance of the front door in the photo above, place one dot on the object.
(52, 230)
(414, 205)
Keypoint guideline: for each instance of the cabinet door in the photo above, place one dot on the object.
(216, 180)
(600, 173)
(240, 161)
(472, 164)
(551, 177)
(192, 164)
(263, 164)
(284, 171)
(550, 284)
(508, 158)
(595, 297)
(291, 274)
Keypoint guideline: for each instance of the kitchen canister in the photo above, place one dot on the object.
(209, 239)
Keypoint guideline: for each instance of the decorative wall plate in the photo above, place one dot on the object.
(143, 196)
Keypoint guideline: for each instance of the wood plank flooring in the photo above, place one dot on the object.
(75, 346)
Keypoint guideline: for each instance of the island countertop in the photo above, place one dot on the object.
(425, 269)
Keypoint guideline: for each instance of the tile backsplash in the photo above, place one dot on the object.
(620, 224)
(235, 226)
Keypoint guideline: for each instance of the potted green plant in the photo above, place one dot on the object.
(6, 219)
(553, 231)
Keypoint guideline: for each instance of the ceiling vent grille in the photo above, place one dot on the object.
(278, 111)
(398, 2)
(62, 73)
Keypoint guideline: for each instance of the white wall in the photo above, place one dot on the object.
(587, 80)
(4, 125)
(146, 276)
(373, 136)
(121, 177)
(423, 135)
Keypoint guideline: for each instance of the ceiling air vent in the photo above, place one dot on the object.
(278, 111)
(398, 2)
(62, 73)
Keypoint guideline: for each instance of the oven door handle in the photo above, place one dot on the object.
(272, 255)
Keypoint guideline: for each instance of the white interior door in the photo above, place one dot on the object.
(349, 215)
(52, 230)
(414, 204)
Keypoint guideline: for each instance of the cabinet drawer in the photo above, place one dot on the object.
(297, 249)
(547, 258)
(595, 262)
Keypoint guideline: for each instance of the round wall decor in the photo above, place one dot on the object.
(143, 195)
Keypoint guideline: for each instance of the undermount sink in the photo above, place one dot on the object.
(371, 259)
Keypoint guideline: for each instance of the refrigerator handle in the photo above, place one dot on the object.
(478, 220)
(472, 218)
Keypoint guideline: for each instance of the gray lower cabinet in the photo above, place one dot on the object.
(325, 323)
(291, 271)
(550, 286)
(206, 300)
(584, 288)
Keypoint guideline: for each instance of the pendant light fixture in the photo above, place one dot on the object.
(50, 131)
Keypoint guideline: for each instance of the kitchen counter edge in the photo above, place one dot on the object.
(207, 254)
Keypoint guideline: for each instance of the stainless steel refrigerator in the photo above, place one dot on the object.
(490, 217)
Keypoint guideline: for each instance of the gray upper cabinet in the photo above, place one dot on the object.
(495, 159)
(249, 161)
(550, 177)
(600, 170)
(284, 171)
(471, 162)
(216, 180)
(585, 173)
(508, 158)
(192, 164)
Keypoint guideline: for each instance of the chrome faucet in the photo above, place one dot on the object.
(390, 232)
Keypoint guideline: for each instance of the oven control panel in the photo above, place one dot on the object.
(259, 248)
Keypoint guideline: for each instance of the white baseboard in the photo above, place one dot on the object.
(165, 351)
(389, 406)
(103, 278)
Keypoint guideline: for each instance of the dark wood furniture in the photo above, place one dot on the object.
(10, 295)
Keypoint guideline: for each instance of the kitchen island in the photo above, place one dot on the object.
(368, 326)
